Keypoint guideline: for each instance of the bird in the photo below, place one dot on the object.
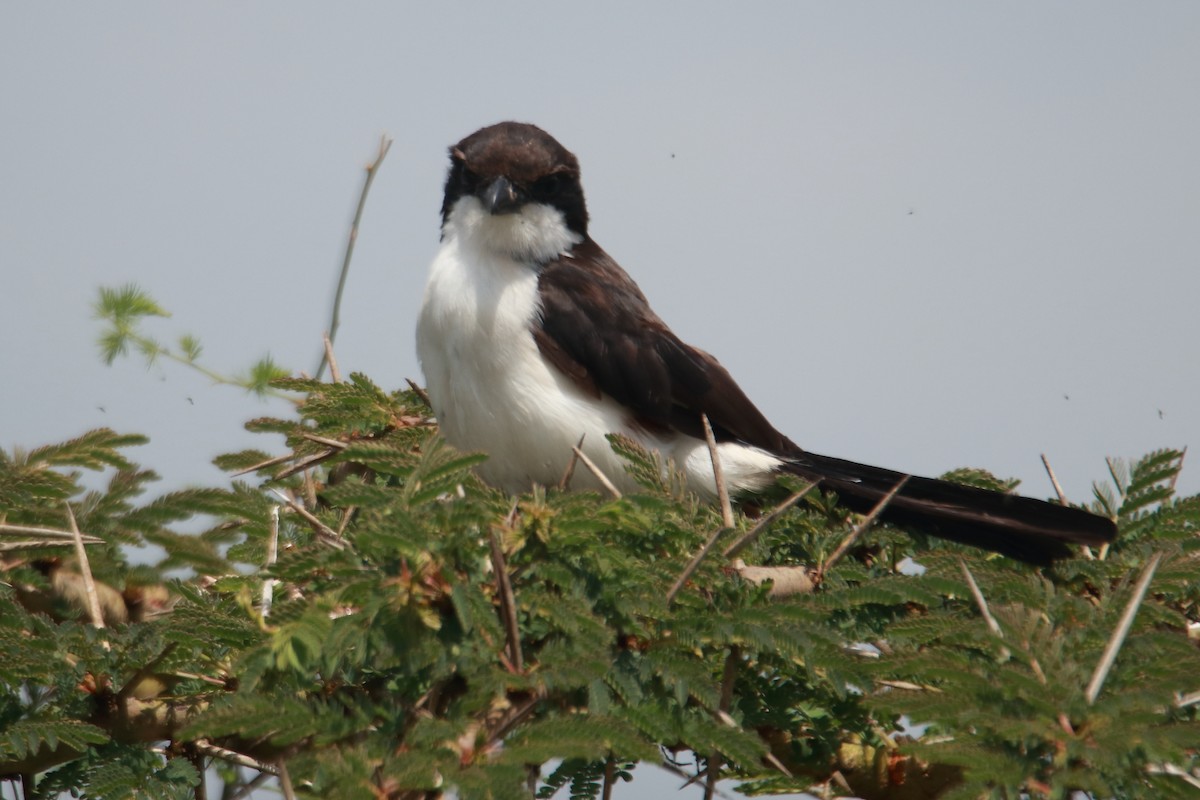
(532, 339)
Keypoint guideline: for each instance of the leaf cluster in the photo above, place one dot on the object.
(345, 618)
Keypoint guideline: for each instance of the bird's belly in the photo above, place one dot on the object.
(493, 392)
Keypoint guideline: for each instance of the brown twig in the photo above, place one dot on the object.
(39, 544)
(233, 757)
(250, 786)
(285, 780)
(335, 374)
(305, 463)
(570, 471)
(324, 533)
(610, 777)
(49, 533)
(980, 601)
(1121, 631)
(992, 624)
(336, 444)
(728, 679)
(419, 392)
(595, 470)
(270, 462)
(694, 564)
(749, 536)
(719, 478)
(335, 317)
(1058, 490)
(85, 569)
(861, 527)
(508, 602)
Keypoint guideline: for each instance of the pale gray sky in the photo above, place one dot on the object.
(921, 235)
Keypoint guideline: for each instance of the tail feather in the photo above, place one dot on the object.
(1021, 527)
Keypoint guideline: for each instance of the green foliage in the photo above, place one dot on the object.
(383, 666)
(124, 310)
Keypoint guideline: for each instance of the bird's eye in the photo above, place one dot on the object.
(469, 179)
(548, 185)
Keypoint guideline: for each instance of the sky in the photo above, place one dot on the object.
(922, 235)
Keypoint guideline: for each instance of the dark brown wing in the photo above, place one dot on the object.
(597, 327)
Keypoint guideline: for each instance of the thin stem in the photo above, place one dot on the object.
(1121, 631)
(385, 144)
(85, 569)
(749, 536)
(718, 475)
(859, 529)
(595, 470)
(1058, 490)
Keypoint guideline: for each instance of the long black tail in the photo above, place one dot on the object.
(1020, 527)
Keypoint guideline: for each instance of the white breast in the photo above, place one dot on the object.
(491, 389)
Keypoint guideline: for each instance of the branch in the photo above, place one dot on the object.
(595, 470)
(385, 144)
(1058, 490)
(1121, 631)
(85, 569)
(722, 489)
(694, 564)
(849, 541)
(508, 602)
(749, 536)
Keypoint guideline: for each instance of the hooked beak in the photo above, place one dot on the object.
(501, 197)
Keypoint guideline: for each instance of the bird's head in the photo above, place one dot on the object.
(516, 190)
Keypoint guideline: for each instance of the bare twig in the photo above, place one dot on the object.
(508, 602)
(570, 472)
(1175, 771)
(729, 722)
(1121, 631)
(849, 541)
(419, 392)
(250, 786)
(749, 536)
(324, 533)
(610, 776)
(980, 601)
(336, 444)
(728, 679)
(270, 462)
(48, 533)
(85, 569)
(285, 781)
(305, 463)
(233, 757)
(335, 318)
(335, 374)
(993, 626)
(40, 544)
(595, 470)
(1058, 490)
(268, 589)
(694, 564)
(722, 489)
